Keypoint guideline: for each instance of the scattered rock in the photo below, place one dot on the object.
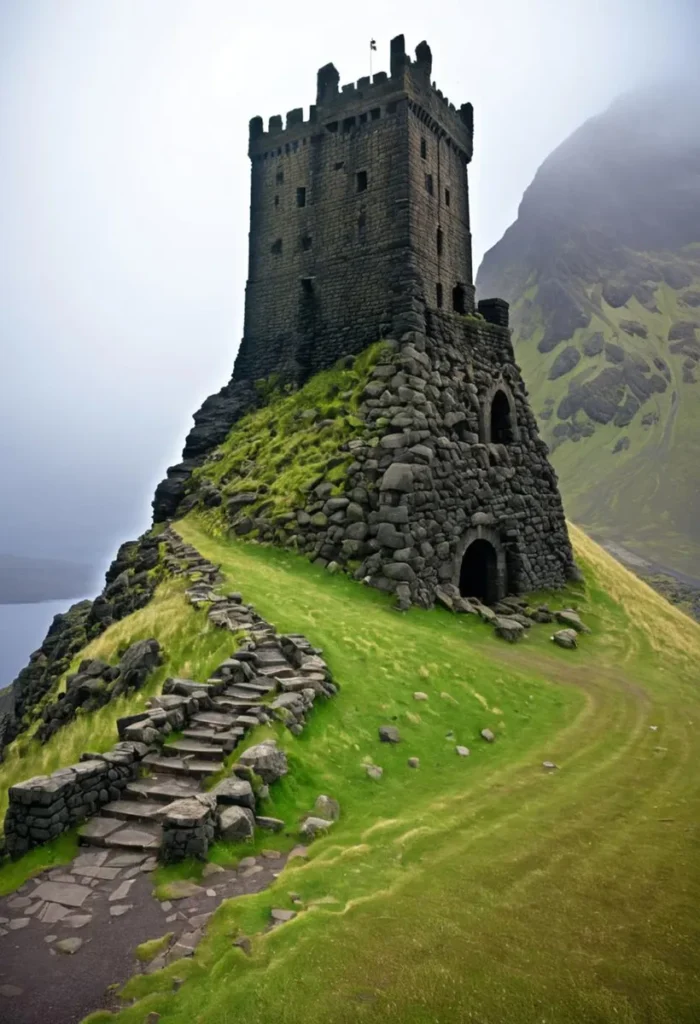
(464, 751)
(508, 629)
(211, 869)
(313, 827)
(120, 908)
(298, 851)
(69, 946)
(236, 823)
(566, 638)
(269, 824)
(18, 923)
(414, 762)
(279, 916)
(419, 695)
(487, 735)
(549, 765)
(181, 889)
(374, 771)
(78, 920)
(266, 760)
(568, 617)
(327, 807)
(389, 734)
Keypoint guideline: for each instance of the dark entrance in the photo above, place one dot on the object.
(501, 424)
(478, 575)
(458, 299)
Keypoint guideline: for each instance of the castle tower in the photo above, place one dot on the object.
(357, 212)
(359, 231)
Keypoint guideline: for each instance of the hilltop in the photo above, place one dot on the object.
(602, 269)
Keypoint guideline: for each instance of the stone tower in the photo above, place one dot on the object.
(349, 209)
(359, 231)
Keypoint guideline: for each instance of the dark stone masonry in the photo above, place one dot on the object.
(360, 231)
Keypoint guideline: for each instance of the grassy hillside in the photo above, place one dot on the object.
(633, 482)
(480, 888)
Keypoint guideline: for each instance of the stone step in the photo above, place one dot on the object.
(236, 703)
(247, 721)
(163, 788)
(133, 810)
(278, 671)
(141, 837)
(215, 719)
(261, 686)
(192, 748)
(181, 766)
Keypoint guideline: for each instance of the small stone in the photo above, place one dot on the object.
(171, 918)
(52, 912)
(327, 807)
(166, 906)
(566, 638)
(270, 854)
(10, 991)
(462, 751)
(255, 870)
(247, 862)
(279, 916)
(77, 920)
(243, 942)
(121, 892)
(549, 765)
(69, 946)
(414, 762)
(181, 889)
(19, 902)
(149, 865)
(211, 869)
(50, 938)
(374, 771)
(18, 923)
(313, 827)
(389, 734)
(419, 695)
(298, 851)
(211, 892)
(487, 735)
(120, 909)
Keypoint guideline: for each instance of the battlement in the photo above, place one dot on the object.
(342, 109)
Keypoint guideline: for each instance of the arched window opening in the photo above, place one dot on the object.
(502, 431)
(458, 299)
(478, 576)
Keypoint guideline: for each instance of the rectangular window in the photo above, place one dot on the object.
(277, 200)
(439, 241)
(423, 149)
(332, 126)
(376, 113)
(363, 118)
(306, 243)
(362, 181)
(280, 177)
(307, 285)
(276, 247)
(391, 108)
(438, 295)
(301, 197)
(339, 166)
(348, 124)
(429, 184)
(447, 197)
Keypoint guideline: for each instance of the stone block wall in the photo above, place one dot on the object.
(42, 808)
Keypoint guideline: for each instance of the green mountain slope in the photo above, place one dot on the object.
(470, 888)
(602, 268)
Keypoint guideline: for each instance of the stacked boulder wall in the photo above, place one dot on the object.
(441, 451)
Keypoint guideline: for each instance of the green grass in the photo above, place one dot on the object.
(281, 450)
(643, 497)
(192, 648)
(51, 855)
(148, 951)
(482, 888)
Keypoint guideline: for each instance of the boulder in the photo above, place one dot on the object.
(234, 791)
(487, 735)
(566, 638)
(236, 823)
(266, 760)
(374, 771)
(389, 734)
(508, 628)
(568, 617)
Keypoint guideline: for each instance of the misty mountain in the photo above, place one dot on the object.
(602, 268)
(31, 580)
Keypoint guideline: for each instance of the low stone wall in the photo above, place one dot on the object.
(47, 805)
(189, 827)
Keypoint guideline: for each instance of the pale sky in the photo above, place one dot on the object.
(124, 201)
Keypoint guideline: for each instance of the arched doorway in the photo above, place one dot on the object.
(501, 422)
(478, 574)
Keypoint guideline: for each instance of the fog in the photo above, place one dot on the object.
(124, 202)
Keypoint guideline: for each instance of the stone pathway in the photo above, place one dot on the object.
(70, 933)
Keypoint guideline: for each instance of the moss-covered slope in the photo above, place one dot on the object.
(602, 269)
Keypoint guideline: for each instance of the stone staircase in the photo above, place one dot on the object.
(269, 677)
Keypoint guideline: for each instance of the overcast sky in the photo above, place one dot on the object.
(124, 201)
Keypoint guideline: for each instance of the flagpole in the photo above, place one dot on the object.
(370, 60)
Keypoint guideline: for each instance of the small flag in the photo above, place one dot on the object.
(373, 44)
